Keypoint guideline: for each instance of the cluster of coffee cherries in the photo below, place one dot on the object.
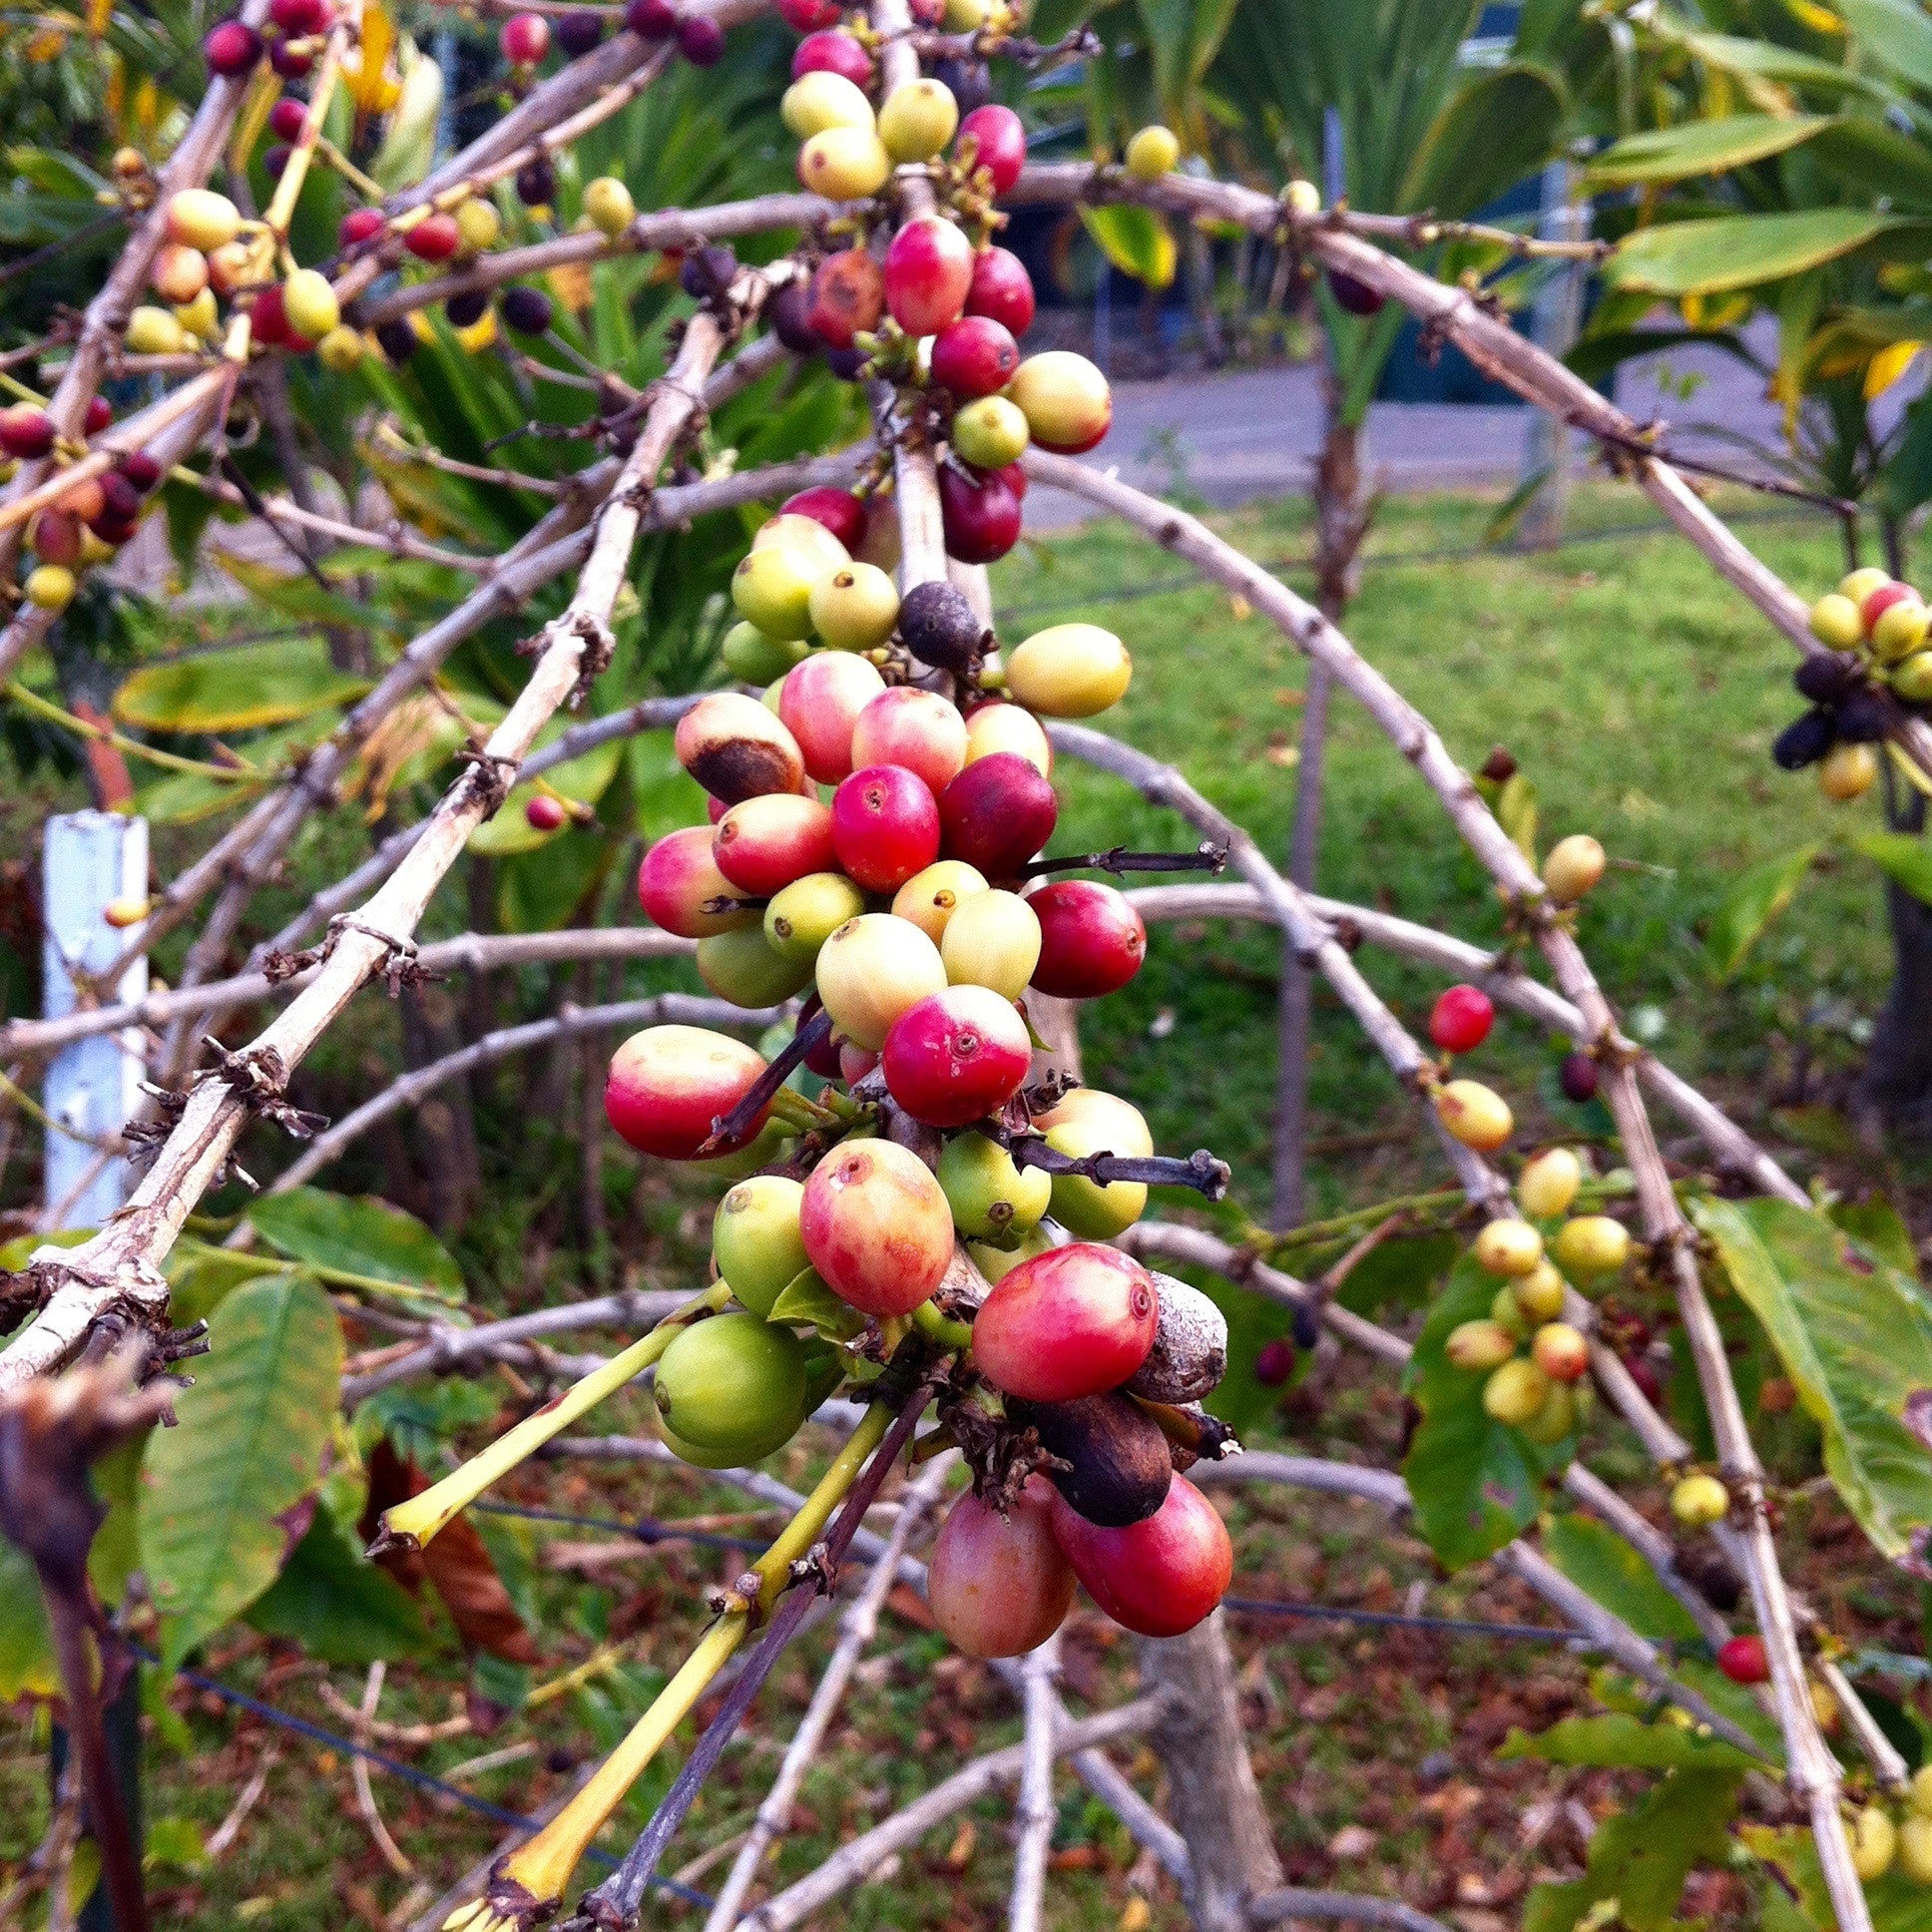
(1878, 631)
(1461, 1019)
(906, 907)
(1878, 1841)
(87, 522)
(291, 41)
(933, 310)
(1535, 1362)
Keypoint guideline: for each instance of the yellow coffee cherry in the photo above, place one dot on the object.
(1152, 152)
(1835, 620)
(1922, 1790)
(1549, 1183)
(1069, 671)
(1509, 1248)
(1475, 1114)
(1539, 1294)
(478, 225)
(1592, 1245)
(609, 205)
(1915, 1848)
(1302, 196)
(1516, 1393)
(1573, 866)
(51, 587)
(1479, 1345)
(1874, 1840)
(1847, 771)
(1860, 584)
(1697, 1500)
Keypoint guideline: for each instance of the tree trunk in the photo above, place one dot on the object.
(1896, 1086)
(1211, 1784)
(1343, 512)
(445, 1122)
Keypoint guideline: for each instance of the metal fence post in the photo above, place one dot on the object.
(92, 859)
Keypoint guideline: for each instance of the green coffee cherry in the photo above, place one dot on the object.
(1539, 1294)
(753, 659)
(806, 913)
(744, 967)
(988, 1193)
(734, 1385)
(1698, 1501)
(1479, 1345)
(1592, 1245)
(994, 1262)
(755, 1239)
(854, 607)
(1555, 1418)
(1506, 1313)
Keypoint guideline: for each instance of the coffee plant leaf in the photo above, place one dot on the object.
(1136, 240)
(1739, 251)
(248, 1448)
(1616, 1740)
(236, 690)
(1699, 148)
(1754, 898)
(1476, 1482)
(1854, 1334)
(1876, 1225)
(1599, 1561)
(1896, 1902)
(807, 1299)
(338, 1604)
(27, 1666)
(359, 1236)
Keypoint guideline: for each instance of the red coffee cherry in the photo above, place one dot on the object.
(885, 827)
(1743, 1660)
(1072, 1321)
(1461, 1017)
(957, 1056)
(1091, 941)
(1159, 1577)
(998, 1584)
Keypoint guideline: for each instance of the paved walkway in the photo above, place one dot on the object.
(1256, 432)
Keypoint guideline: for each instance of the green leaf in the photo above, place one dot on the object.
(236, 690)
(1906, 478)
(1476, 1484)
(174, 1843)
(1136, 241)
(1855, 1337)
(1515, 813)
(1639, 1859)
(1765, 60)
(548, 890)
(668, 797)
(359, 1235)
(806, 1299)
(248, 1449)
(1754, 898)
(1401, 1273)
(1896, 33)
(1701, 148)
(201, 1277)
(1594, 1558)
(27, 1666)
(1615, 1741)
(1739, 251)
(1876, 1225)
(1873, 158)
(1597, 356)
(1902, 857)
(1497, 127)
(338, 1604)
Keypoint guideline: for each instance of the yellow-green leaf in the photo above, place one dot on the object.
(1739, 251)
(248, 1449)
(236, 690)
(1701, 148)
(1755, 897)
(1136, 241)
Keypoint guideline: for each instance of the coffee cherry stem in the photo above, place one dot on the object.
(768, 1089)
(953, 1336)
(1117, 859)
(1196, 1433)
(409, 1525)
(1201, 1170)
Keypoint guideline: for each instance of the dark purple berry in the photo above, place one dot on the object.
(1276, 1363)
(651, 19)
(1578, 1078)
(578, 33)
(1358, 298)
(790, 313)
(847, 363)
(527, 310)
(1863, 717)
(706, 274)
(1828, 676)
(1804, 740)
(469, 306)
(969, 80)
(937, 625)
(1305, 1326)
(537, 183)
(700, 40)
(396, 340)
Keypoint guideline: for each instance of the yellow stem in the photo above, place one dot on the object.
(544, 1865)
(283, 205)
(422, 1516)
(169, 760)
